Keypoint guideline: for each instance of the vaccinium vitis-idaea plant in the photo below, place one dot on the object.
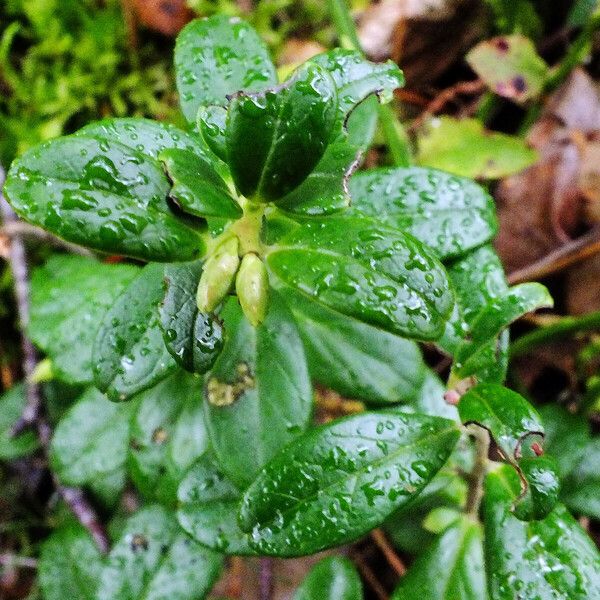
(273, 263)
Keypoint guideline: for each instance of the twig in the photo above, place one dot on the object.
(265, 579)
(73, 497)
(369, 576)
(390, 554)
(21, 229)
(477, 475)
(235, 584)
(573, 252)
(11, 560)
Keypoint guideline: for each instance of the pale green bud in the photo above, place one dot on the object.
(252, 288)
(218, 275)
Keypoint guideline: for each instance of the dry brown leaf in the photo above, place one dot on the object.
(542, 208)
(582, 287)
(165, 16)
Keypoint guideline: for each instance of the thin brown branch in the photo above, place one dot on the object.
(235, 584)
(369, 576)
(477, 475)
(22, 229)
(32, 414)
(567, 255)
(390, 554)
(11, 560)
(265, 579)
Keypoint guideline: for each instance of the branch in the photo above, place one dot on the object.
(390, 554)
(31, 415)
(14, 228)
(477, 475)
(265, 579)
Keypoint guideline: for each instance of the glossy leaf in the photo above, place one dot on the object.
(367, 271)
(342, 479)
(492, 319)
(259, 393)
(69, 297)
(332, 578)
(325, 190)
(582, 487)
(510, 66)
(103, 195)
(197, 187)
(265, 130)
(551, 558)
(217, 57)
(154, 560)
(464, 148)
(193, 338)
(70, 565)
(211, 122)
(543, 486)
(430, 399)
(167, 435)
(91, 440)
(208, 506)
(450, 214)
(353, 358)
(12, 403)
(129, 354)
(505, 414)
(452, 568)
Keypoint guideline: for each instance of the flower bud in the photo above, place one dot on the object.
(252, 288)
(218, 275)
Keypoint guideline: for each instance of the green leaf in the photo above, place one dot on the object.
(264, 130)
(70, 565)
(91, 440)
(510, 66)
(197, 188)
(464, 148)
(211, 123)
(451, 568)
(470, 356)
(217, 57)
(332, 578)
(129, 354)
(100, 194)
(12, 403)
(167, 435)
(208, 506)
(367, 271)
(543, 486)
(353, 358)
(193, 338)
(259, 393)
(551, 558)
(508, 417)
(450, 214)
(69, 297)
(342, 479)
(325, 190)
(582, 486)
(146, 136)
(430, 399)
(154, 560)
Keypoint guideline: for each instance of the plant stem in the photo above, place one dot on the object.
(265, 579)
(393, 130)
(477, 475)
(555, 331)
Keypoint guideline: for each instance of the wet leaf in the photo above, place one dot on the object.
(551, 558)
(353, 358)
(367, 271)
(543, 486)
(193, 338)
(505, 414)
(472, 357)
(211, 123)
(258, 394)
(12, 403)
(69, 297)
(332, 578)
(450, 214)
(197, 187)
(129, 354)
(510, 66)
(265, 129)
(91, 440)
(581, 489)
(154, 559)
(100, 194)
(464, 148)
(167, 435)
(208, 506)
(325, 190)
(217, 57)
(70, 564)
(452, 568)
(340, 480)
